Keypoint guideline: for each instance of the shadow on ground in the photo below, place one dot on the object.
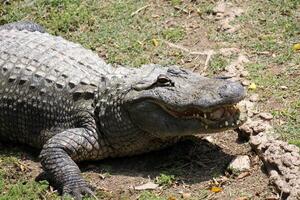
(192, 160)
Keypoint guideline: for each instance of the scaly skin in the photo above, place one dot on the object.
(63, 99)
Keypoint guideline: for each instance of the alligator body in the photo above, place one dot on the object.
(63, 99)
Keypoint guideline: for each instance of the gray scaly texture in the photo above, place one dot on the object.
(63, 99)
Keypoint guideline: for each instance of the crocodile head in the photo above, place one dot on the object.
(175, 102)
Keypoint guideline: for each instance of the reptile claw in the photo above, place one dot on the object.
(78, 193)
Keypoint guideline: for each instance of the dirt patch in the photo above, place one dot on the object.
(194, 162)
(225, 13)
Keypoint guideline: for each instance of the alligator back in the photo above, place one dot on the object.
(44, 80)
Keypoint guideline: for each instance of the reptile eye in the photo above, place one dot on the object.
(163, 79)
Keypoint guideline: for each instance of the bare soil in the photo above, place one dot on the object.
(194, 162)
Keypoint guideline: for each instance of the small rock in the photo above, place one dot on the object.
(243, 59)
(231, 69)
(244, 132)
(249, 105)
(282, 186)
(287, 160)
(260, 127)
(272, 198)
(244, 73)
(229, 74)
(246, 83)
(283, 87)
(239, 164)
(254, 98)
(210, 139)
(186, 195)
(291, 148)
(266, 116)
(255, 112)
(232, 29)
(220, 8)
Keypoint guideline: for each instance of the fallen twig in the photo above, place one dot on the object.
(139, 10)
(207, 53)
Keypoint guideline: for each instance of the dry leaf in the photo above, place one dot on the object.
(155, 42)
(216, 189)
(172, 198)
(296, 47)
(252, 86)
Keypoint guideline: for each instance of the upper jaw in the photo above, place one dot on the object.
(214, 119)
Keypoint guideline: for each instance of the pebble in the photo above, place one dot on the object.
(239, 164)
(210, 139)
(266, 116)
(283, 87)
(186, 195)
(246, 83)
(244, 73)
(259, 128)
(254, 98)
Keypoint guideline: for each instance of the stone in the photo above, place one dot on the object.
(239, 164)
(244, 74)
(186, 195)
(254, 98)
(266, 116)
(260, 127)
(283, 87)
(245, 83)
(244, 132)
(210, 139)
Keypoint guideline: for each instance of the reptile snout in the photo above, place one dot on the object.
(232, 90)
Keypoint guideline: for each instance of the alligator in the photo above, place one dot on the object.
(65, 101)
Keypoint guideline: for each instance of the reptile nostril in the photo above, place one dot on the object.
(232, 90)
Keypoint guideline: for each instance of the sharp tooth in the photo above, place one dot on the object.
(206, 127)
(221, 126)
(205, 115)
(226, 123)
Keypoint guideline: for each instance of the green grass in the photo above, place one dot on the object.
(150, 196)
(26, 190)
(268, 31)
(276, 29)
(174, 34)
(165, 180)
(218, 64)
(107, 27)
(176, 2)
(295, 142)
(14, 182)
(205, 7)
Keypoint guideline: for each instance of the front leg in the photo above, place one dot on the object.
(60, 153)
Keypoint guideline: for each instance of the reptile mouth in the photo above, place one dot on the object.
(221, 117)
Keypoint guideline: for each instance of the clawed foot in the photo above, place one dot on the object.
(78, 191)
